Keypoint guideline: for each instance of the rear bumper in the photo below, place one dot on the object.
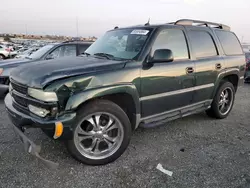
(22, 120)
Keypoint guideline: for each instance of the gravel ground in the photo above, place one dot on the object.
(200, 151)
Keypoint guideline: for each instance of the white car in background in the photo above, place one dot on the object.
(4, 52)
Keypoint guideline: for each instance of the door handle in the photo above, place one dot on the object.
(218, 66)
(189, 70)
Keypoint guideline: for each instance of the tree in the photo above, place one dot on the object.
(7, 39)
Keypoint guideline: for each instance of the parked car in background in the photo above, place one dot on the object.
(247, 73)
(26, 53)
(4, 52)
(48, 52)
(143, 75)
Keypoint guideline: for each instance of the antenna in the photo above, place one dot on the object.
(148, 23)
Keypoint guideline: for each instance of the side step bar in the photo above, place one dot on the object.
(174, 114)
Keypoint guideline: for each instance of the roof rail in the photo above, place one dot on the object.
(68, 41)
(200, 23)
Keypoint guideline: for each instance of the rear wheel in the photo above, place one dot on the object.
(101, 134)
(2, 57)
(223, 101)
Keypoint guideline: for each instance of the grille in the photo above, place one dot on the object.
(19, 100)
(19, 88)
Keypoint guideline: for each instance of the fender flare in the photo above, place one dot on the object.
(222, 75)
(76, 100)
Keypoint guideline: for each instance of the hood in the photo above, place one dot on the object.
(39, 74)
(13, 62)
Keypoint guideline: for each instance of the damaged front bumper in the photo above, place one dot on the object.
(23, 121)
(33, 149)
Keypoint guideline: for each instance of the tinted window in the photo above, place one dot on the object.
(63, 51)
(230, 43)
(202, 44)
(82, 48)
(172, 39)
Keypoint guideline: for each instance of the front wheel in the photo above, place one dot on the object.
(223, 101)
(101, 134)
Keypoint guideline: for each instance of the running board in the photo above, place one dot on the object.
(173, 115)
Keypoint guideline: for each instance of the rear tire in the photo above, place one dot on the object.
(101, 134)
(2, 57)
(223, 101)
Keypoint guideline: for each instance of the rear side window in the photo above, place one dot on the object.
(172, 39)
(202, 44)
(229, 42)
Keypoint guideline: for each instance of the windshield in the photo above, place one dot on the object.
(39, 53)
(120, 43)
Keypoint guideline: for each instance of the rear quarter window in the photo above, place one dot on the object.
(229, 42)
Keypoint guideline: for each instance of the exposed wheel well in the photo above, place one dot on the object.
(233, 79)
(125, 101)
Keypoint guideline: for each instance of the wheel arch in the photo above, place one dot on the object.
(231, 75)
(125, 96)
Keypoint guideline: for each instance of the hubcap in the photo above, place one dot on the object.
(226, 101)
(99, 135)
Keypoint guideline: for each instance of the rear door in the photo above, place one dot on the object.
(208, 63)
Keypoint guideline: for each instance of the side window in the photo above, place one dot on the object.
(58, 52)
(69, 50)
(82, 48)
(172, 39)
(229, 42)
(202, 44)
(63, 51)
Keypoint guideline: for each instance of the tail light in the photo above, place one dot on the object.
(7, 49)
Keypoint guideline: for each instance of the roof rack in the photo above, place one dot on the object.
(201, 23)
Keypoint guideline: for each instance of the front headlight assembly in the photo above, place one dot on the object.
(42, 95)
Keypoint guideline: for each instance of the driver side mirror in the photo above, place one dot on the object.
(162, 56)
(50, 56)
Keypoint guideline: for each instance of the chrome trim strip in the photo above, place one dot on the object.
(176, 92)
(177, 109)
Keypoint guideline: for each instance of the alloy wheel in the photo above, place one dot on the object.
(99, 135)
(226, 101)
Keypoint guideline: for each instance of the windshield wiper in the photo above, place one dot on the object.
(108, 56)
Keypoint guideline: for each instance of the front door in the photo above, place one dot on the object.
(168, 86)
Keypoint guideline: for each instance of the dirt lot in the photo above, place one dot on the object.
(200, 151)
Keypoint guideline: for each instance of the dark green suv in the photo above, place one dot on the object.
(144, 75)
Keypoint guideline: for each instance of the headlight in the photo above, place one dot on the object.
(42, 95)
(38, 111)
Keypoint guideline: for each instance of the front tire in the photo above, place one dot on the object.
(223, 101)
(101, 134)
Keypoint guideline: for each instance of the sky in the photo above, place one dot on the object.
(94, 17)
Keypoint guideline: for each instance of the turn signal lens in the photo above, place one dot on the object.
(58, 130)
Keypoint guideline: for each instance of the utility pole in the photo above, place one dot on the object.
(77, 26)
(242, 38)
(26, 32)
